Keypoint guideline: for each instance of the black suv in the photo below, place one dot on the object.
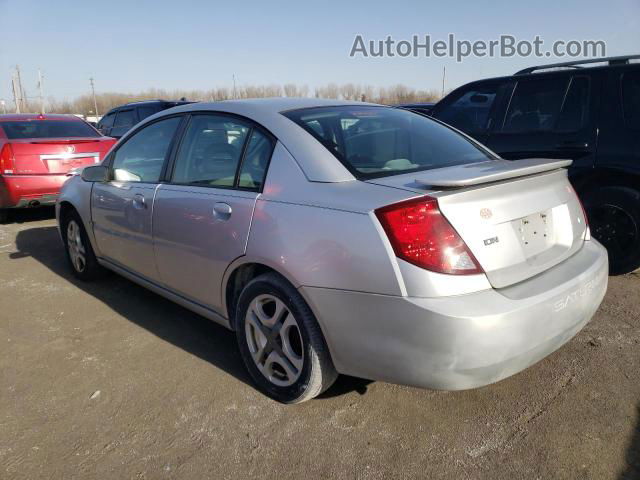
(588, 111)
(119, 120)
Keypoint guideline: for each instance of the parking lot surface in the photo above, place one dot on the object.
(108, 380)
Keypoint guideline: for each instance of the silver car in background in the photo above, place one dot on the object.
(337, 237)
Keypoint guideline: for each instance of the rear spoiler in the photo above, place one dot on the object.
(489, 171)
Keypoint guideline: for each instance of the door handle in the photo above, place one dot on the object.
(139, 201)
(222, 210)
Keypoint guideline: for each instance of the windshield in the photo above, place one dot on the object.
(47, 129)
(378, 141)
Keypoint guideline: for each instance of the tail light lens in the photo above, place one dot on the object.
(587, 233)
(421, 235)
(7, 164)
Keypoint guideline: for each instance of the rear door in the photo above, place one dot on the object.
(202, 216)
(619, 142)
(550, 117)
(121, 209)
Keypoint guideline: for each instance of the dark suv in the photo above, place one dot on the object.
(119, 120)
(588, 111)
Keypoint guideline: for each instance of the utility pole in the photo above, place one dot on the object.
(444, 74)
(16, 95)
(21, 93)
(234, 86)
(41, 89)
(95, 103)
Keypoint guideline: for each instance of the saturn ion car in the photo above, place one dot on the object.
(338, 237)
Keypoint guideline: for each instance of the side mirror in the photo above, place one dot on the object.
(96, 173)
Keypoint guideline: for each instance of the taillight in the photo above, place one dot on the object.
(7, 165)
(587, 233)
(421, 235)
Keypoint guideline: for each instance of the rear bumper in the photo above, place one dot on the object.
(455, 343)
(17, 191)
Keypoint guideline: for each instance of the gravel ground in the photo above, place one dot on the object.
(108, 380)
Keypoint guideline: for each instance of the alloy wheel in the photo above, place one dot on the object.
(76, 247)
(274, 340)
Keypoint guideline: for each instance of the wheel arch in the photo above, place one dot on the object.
(239, 274)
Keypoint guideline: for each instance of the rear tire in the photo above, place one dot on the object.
(614, 218)
(280, 341)
(80, 255)
(4, 216)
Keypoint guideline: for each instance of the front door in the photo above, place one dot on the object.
(202, 216)
(121, 209)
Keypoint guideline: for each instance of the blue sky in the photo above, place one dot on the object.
(139, 44)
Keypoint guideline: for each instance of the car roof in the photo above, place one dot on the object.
(16, 117)
(315, 160)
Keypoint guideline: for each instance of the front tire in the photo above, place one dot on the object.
(280, 341)
(80, 255)
(614, 218)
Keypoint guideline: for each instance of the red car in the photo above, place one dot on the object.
(37, 151)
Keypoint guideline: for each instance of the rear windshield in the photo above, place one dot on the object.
(379, 141)
(47, 129)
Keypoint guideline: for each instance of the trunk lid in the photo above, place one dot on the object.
(517, 219)
(57, 155)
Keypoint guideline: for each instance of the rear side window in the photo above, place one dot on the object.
(141, 157)
(535, 105)
(47, 129)
(631, 99)
(470, 111)
(256, 159)
(210, 152)
(575, 109)
(380, 141)
(147, 111)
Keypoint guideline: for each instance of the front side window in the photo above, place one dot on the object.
(381, 141)
(535, 105)
(123, 122)
(631, 99)
(470, 111)
(142, 156)
(211, 151)
(106, 123)
(47, 129)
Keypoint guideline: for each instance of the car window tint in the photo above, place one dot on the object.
(575, 110)
(123, 122)
(106, 122)
(535, 105)
(211, 151)
(256, 158)
(469, 112)
(47, 129)
(379, 141)
(631, 99)
(147, 111)
(141, 157)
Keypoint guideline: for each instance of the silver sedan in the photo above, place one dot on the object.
(339, 237)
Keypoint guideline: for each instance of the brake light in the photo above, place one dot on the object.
(587, 233)
(7, 160)
(421, 235)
